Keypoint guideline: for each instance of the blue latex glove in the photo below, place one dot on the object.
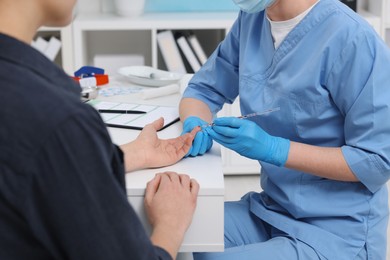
(202, 141)
(249, 140)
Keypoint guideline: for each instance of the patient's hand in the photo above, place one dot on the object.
(148, 151)
(170, 202)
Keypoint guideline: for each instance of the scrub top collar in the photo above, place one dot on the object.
(301, 29)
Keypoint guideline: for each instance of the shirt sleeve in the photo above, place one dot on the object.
(360, 87)
(216, 83)
(77, 205)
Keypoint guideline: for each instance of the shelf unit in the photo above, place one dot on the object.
(110, 34)
(386, 20)
(65, 35)
(374, 11)
(98, 31)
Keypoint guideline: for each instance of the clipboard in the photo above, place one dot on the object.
(135, 121)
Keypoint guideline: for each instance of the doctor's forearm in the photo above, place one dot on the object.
(326, 162)
(194, 107)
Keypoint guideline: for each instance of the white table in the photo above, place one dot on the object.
(206, 230)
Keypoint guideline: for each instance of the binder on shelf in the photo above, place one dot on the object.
(53, 48)
(49, 48)
(188, 52)
(170, 52)
(40, 44)
(194, 42)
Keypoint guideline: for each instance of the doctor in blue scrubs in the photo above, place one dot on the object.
(325, 155)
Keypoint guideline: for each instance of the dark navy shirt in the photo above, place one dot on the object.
(62, 188)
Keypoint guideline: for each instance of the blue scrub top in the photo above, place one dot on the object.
(331, 79)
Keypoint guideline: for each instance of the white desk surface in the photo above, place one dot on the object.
(206, 169)
(206, 230)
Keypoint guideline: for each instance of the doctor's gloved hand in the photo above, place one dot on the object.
(249, 140)
(202, 141)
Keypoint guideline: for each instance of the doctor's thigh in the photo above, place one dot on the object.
(248, 237)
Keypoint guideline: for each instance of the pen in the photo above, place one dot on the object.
(270, 110)
(116, 111)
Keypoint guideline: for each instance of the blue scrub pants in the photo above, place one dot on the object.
(248, 237)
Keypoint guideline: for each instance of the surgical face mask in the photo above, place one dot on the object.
(253, 6)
